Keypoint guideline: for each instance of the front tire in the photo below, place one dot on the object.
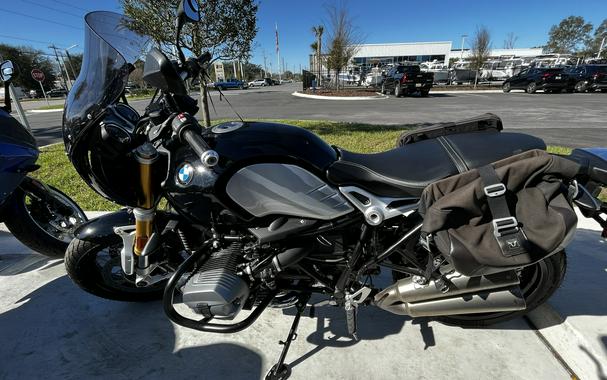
(581, 86)
(96, 269)
(538, 282)
(506, 87)
(40, 225)
(531, 88)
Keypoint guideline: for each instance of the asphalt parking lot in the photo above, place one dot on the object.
(574, 120)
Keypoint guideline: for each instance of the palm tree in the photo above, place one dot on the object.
(318, 31)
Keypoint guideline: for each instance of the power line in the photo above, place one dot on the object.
(70, 5)
(53, 9)
(41, 19)
(28, 40)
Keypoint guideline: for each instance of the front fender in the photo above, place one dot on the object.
(101, 230)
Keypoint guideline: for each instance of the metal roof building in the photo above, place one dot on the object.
(517, 52)
(369, 54)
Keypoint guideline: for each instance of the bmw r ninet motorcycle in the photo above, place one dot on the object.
(264, 215)
(38, 215)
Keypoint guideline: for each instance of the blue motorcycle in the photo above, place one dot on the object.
(38, 215)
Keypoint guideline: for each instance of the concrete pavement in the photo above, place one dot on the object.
(575, 120)
(51, 329)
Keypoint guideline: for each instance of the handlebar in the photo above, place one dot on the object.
(187, 130)
(193, 66)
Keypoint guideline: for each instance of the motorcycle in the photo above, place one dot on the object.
(264, 215)
(38, 215)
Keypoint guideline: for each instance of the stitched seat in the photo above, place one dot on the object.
(406, 171)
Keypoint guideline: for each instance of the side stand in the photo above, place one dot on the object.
(280, 370)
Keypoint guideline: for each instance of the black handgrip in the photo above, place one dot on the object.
(195, 141)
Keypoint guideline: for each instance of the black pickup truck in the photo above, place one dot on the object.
(407, 79)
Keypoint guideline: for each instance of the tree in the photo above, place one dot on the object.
(600, 33)
(481, 45)
(343, 41)
(227, 29)
(25, 60)
(318, 32)
(569, 36)
(510, 40)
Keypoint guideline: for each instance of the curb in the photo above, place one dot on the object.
(45, 111)
(321, 97)
(466, 92)
(565, 340)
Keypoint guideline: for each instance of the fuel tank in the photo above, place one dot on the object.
(18, 153)
(264, 169)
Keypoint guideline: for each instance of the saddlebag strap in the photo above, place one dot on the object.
(511, 239)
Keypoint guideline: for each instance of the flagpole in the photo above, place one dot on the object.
(278, 54)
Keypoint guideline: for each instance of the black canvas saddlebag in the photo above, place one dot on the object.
(508, 214)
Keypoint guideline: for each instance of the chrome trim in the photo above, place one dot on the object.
(377, 210)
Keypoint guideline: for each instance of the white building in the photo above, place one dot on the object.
(496, 53)
(371, 54)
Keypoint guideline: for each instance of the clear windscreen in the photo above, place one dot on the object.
(110, 50)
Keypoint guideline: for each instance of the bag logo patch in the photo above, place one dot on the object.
(512, 244)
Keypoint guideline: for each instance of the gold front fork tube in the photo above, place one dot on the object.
(146, 155)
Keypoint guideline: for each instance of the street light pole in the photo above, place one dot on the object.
(461, 57)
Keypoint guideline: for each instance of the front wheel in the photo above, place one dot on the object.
(96, 269)
(424, 93)
(581, 86)
(383, 89)
(43, 219)
(537, 282)
(531, 88)
(506, 87)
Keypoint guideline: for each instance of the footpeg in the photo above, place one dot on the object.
(351, 306)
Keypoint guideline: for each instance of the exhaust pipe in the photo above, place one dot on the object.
(498, 292)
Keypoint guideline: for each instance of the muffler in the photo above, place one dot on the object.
(498, 292)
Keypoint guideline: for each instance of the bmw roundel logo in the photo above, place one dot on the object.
(185, 174)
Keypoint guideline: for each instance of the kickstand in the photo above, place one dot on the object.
(280, 370)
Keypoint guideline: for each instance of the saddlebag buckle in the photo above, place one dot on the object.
(495, 190)
(504, 226)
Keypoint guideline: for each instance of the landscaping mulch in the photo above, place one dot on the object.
(345, 92)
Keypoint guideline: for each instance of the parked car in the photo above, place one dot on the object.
(274, 82)
(56, 93)
(260, 83)
(534, 78)
(231, 83)
(407, 79)
(587, 78)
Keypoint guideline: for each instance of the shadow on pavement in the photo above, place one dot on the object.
(84, 337)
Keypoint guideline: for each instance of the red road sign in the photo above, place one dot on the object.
(38, 75)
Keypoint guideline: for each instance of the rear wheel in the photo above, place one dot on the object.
(424, 93)
(383, 89)
(398, 92)
(538, 282)
(96, 269)
(531, 88)
(580, 86)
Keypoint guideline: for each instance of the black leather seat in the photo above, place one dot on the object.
(406, 171)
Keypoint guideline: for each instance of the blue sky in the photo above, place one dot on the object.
(382, 21)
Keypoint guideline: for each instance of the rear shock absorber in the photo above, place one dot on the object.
(145, 155)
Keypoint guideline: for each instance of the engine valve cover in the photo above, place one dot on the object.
(215, 290)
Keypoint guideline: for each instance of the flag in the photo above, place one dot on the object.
(277, 49)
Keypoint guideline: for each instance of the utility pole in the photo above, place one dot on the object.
(69, 59)
(461, 57)
(60, 67)
(278, 54)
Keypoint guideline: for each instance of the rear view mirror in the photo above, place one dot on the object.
(189, 9)
(6, 71)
